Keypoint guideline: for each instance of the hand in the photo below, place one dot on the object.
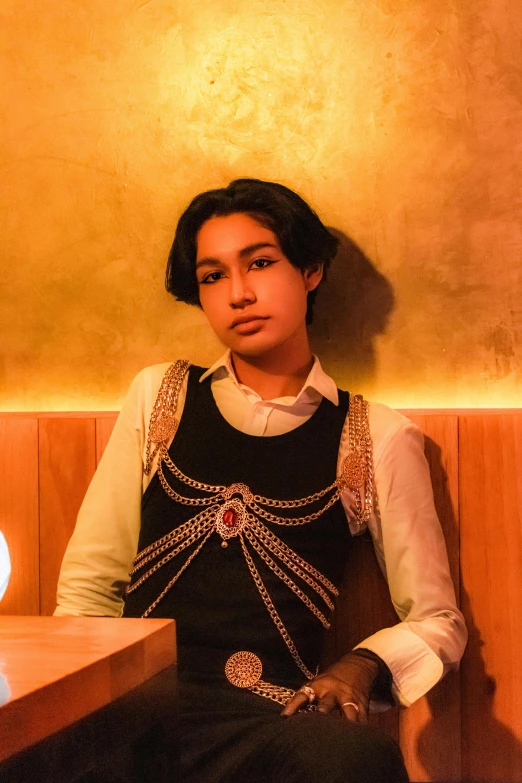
(349, 680)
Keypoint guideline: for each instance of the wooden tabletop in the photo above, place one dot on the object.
(56, 670)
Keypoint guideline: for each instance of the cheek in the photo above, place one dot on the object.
(290, 299)
(215, 313)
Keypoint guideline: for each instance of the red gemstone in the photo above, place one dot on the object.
(230, 518)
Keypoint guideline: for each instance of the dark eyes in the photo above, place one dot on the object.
(257, 263)
(212, 277)
(261, 263)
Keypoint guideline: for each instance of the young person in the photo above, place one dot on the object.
(231, 495)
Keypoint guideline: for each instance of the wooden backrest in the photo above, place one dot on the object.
(469, 728)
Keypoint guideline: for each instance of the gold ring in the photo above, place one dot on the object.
(350, 704)
(308, 691)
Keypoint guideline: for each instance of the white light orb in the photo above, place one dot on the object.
(5, 566)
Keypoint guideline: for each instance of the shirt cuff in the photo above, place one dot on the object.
(414, 666)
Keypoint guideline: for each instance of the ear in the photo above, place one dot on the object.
(312, 276)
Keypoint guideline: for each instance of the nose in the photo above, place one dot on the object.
(241, 292)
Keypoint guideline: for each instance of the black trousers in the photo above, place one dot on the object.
(240, 737)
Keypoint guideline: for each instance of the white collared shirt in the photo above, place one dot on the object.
(245, 410)
(409, 544)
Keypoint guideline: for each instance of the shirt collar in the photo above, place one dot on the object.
(317, 378)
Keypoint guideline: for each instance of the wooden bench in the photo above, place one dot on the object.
(469, 728)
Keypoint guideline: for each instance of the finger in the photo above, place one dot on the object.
(296, 703)
(351, 711)
(327, 704)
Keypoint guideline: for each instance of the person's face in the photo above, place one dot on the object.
(253, 297)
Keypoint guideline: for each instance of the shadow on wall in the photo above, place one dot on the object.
(353, 307)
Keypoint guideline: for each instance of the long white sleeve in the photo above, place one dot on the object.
(410, 547)
(98, 559)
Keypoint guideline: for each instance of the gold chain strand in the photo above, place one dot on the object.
(274, 692)
(294, 503)
(270, 538)
(273, 612)
(176, 577)
(180, 498)
(165, 457)
(359, 462)
(286, 579)
(244, 669)
(168, 541)
(294, 521)
(190, 540)
(219, 489)
(277, 552)
(163, 425)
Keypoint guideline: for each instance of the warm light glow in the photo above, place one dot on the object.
(380, 113)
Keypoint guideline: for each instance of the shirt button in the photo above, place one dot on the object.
(259, 409)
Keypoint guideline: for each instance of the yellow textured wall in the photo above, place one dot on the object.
(399, 119)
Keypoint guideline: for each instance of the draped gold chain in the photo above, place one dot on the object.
(235, 511)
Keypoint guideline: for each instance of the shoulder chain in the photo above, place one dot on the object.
(163, 423)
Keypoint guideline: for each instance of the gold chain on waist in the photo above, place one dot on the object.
(235, 511)
(244, 670)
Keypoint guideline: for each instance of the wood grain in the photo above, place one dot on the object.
(60, 669)
(491, 563)
(430, 729)
(67, 464)
(19, 512)
(104, 427)
(484, 483)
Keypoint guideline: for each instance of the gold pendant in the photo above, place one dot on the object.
(243, 669)
(353, 472)
(164, 428)
(231, 519)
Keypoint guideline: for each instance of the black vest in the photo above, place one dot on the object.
(216, 604)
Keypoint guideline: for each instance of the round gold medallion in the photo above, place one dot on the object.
(243, 669)
(353, 472)
(163, 428)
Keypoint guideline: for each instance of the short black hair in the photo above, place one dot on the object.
(303, 238)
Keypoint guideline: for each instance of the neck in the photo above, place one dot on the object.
(278, 373)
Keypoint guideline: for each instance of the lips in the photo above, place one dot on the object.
(246, 320)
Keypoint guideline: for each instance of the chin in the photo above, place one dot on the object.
(252, 347)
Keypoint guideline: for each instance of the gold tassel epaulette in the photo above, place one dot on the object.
(163, 423)
(357, 467)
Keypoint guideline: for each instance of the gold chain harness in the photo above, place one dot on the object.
(235, 511)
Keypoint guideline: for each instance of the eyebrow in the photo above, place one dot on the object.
(245, 251)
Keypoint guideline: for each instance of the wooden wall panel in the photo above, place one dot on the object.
(67, 451)
(491, 593)
(104, 427)
(19, 512)
(430, 728)
(485, 483)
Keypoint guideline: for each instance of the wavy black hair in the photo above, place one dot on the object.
(304, 240)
